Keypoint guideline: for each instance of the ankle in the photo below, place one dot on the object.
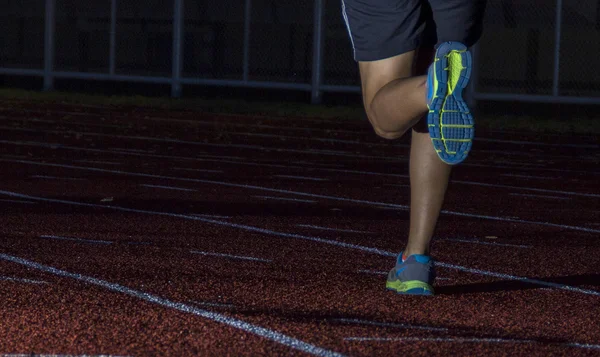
(411, 251)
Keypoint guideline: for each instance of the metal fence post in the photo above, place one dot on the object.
(317, 65)
(112, 38)
(49, 29)
(557, 35)
(246, 59)
(177, 48)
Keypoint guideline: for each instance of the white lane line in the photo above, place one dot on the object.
(570, 193)
(521, 142)
(438, 339)
(375, 272)
(76, 239)
(213, 304)
(167, 187)
(308, 238)
(309, 131)
(336, 198)
(583, 345)
(59, 355)
(98, 162)
(263, 148)
(221, 159)
(16, 156)
(233, 322)
(57, 178)
(301, 177)
(468, 340)
(396, 184)
(129, 150)
(519, 278)
(196, 143)
(18, 201)
(389, 324)
(198, 170)
(21, 280)
(284, 199)
(541, 196)
(222, 255)
(483, 243)
(532, 177)
(332, 229)
(210, 216)
(304, 163)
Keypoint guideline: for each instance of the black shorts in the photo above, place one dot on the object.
(385, 28)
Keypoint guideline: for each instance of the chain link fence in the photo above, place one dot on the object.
(534, 50)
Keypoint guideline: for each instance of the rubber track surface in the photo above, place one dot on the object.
(132, 231)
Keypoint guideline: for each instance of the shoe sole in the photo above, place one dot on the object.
(410, 287)
(450, 122)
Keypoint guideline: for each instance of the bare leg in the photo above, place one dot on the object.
(395, 102)
(428, 180)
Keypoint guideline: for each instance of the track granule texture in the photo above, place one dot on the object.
(132, 231)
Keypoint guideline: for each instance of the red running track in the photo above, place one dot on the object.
(131, 231)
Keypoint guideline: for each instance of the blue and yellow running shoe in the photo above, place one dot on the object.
(412, 276)
(449, 120)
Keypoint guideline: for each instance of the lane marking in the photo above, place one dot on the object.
(16, 156)
(18, 201)
(467, 340)
(532, 177)
(484, 243)
(213, 304)
(21, 280)
(125, 149)
(309, 238)
(540, 196)
(76, 239)
(389, 324)
(301, 177)
(210, 216)
(58, 178)
(45, 355)
(332, 229)
(308, 130)
(222, 255)
(519, 278)
(302, 163)
(529, 189)
(438, 339)
(374, 203)
(284, 199)
(230, 321)
(197, 143)
(197, 170)
(220, 159)
(264, 148)
(583, 345)
(98, 162)
(167, 187)
(521, 142)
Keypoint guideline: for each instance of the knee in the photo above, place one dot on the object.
(389, 135)
(381, 132)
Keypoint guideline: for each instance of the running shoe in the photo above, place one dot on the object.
(412, 276)
(450, 122)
